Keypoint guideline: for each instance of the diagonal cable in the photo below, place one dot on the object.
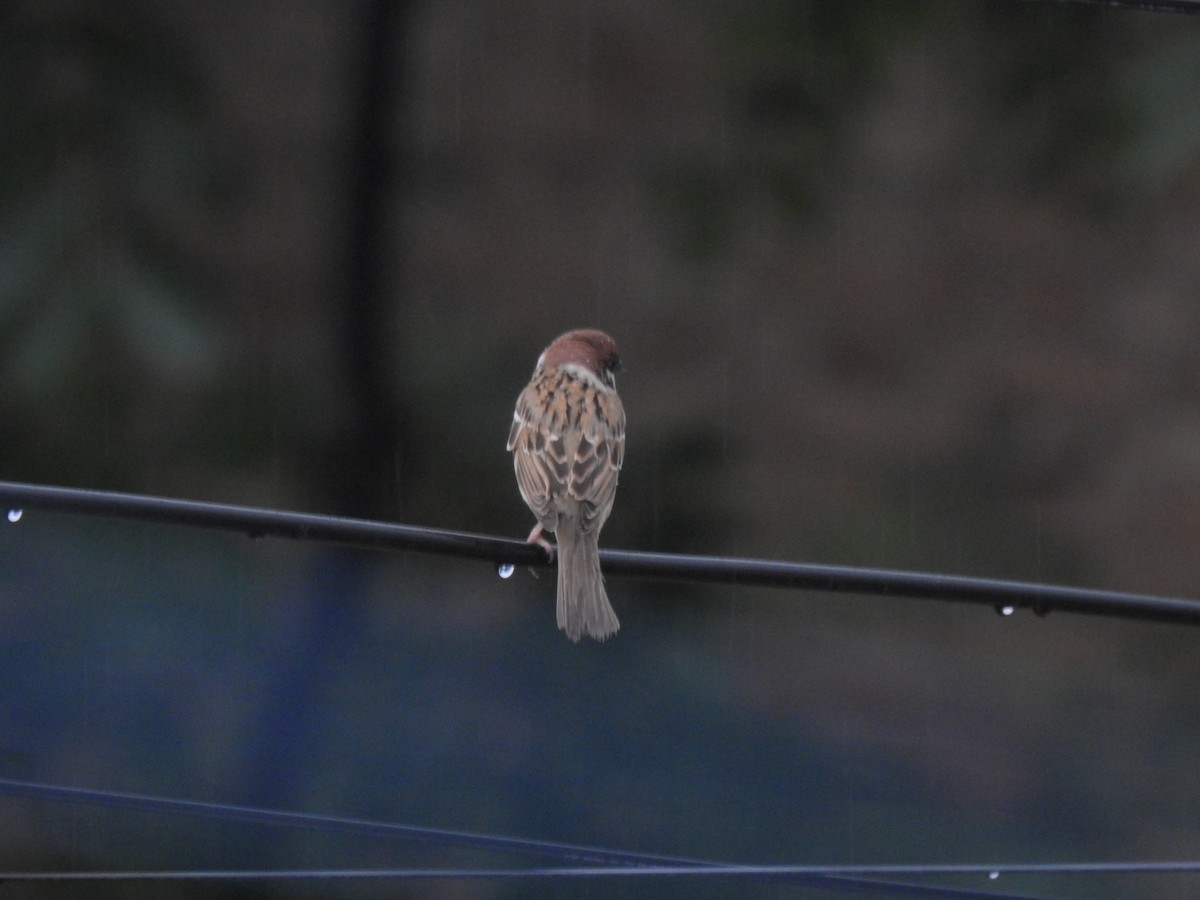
(1004, 595)
(603, 861)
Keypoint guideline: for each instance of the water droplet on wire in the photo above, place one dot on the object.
(14, 515)
(506, 570)
(993, 875)
(1006, 610)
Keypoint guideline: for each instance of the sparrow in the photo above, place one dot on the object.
(568, 443)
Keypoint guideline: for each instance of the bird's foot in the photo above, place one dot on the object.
(538, 536)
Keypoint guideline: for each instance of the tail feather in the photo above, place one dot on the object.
(583, 606)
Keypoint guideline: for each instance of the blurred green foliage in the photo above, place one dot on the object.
(783, 188)
(107, 145)
(901, 284)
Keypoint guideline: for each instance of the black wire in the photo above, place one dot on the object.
(1003, 595)
(1006, 596)
(260, 522)
(257, 522)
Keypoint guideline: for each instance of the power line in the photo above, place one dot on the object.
(593, 862)
(1005, 596)
(555, 873)
(603, 861)
(1178, 6)
(640, 871)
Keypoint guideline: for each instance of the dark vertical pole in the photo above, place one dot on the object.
(364, 470)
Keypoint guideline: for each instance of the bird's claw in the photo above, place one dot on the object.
(537, 536)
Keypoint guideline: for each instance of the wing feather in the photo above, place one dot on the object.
(568, 443)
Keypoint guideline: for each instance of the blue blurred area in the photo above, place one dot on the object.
(896, 285)
(204, 666)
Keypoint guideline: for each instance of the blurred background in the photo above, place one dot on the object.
(909, 285)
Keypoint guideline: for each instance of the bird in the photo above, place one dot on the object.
(568, 443)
